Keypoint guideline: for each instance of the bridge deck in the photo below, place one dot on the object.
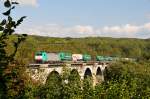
(70, 63)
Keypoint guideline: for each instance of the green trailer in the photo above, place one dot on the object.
(86, 57)
(108, 58)
(104, 58)
(65, 56)
(100, 58)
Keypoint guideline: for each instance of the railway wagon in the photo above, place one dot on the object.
(87, 57)
(53, 57)
(81, 57)
(77, 57)
(44, 57)
(65, 56)
(104, 58)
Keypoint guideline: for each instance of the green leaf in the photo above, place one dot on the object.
(24, 35)
(3, 22)
(7, 4)
(15, 3)
(9, 18)
(7, 13)
(22, 39)
(11, 31)
(13, 7)
(13, 23)
(1, 28)
(5, 31)
(20, 20)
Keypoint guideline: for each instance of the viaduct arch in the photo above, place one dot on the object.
(96, 71)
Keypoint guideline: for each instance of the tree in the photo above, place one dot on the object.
(52, 88)
(74, 84)
(87, 92)
(8, 71)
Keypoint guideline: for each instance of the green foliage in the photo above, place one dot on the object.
(53, 87)
(11, 82)
(132, 48)
(61, 86)
(87, 88)
(75, 85)
(72, 88)
(128, 80)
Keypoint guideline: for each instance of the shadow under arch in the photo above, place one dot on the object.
(98, 75)
(98, 72)
(53, 77)
(87, 73)
(106, 74)
(88, 79)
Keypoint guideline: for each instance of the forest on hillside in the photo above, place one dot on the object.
(117, 47)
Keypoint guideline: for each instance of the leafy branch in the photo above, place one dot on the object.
(7, 28)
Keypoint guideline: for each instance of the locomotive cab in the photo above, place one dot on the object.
(40, 57)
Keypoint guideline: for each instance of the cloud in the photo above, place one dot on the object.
(83, 29)
(55, 30)
(127, 30)
(28, 2)
(122, 29)
(147, 26)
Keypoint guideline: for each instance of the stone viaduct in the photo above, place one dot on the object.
(40, 72)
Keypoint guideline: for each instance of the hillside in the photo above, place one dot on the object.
(120, 47)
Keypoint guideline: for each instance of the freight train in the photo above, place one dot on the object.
(44, 57)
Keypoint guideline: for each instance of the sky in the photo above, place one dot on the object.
(84, 18)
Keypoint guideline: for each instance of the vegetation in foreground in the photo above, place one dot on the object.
(123, 80)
